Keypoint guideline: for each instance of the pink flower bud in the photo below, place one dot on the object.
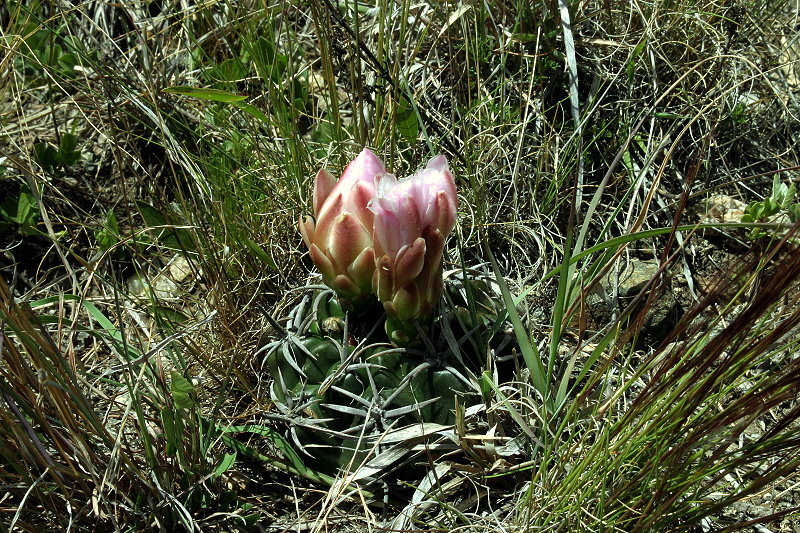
(412, 219)
(340, 239)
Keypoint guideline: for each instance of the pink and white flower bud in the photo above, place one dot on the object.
(339, 237)
(412, 219)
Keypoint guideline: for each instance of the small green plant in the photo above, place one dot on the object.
(166, 225)
(19, 211)
(108, 235)
(45, 49)
(781, 201)
(54, 159)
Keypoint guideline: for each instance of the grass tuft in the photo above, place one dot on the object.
(155, 159)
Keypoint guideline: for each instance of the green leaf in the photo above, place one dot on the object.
(778, 189)
(67, 154)
(794, 212)
(530, 352)
(46, 155)
(168, 315)
(151, 215)
(407, 124)
(631, 67)
(230, 70)
(252, 110)
(225, 464)
(172, 431)
(182, 391)
(260, 253)
(771, 207)
(791, 195)
(51, 159)
(27, 211)
(214, 95)
(21, 210)
(754, 212)
(269, 64)
(108, 236)
(179, 239)
(325, 134)
(67, 63)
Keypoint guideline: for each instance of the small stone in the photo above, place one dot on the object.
(722, 208)
(137, 284)
(164, 288)
(180, 268)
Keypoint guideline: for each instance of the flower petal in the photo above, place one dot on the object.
(409, 262)
(321, 260)
(362, 268)
(429, 279)
(331, 209)
(438, 163)
(307, 227)
(406, 301)
(365, 167)
(324, 184)
(383, 279)
(344, 285)
(346, 240)
(384, 184)
(358, 201)
(445, 212)
(396, 223)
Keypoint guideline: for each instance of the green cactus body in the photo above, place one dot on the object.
(337, 389)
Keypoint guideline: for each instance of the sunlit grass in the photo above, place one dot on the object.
(147, 260)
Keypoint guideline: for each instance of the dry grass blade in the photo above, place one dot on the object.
(137, 135)
(51, 429)
(686, 445)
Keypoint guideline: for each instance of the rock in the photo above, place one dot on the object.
(625, 285)
(165, 284)
(161, 287)
(722, 208)
(180, 268)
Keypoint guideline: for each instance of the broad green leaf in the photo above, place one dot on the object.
(778, 189)
(45, 155)
(182, 391)
(179, 239)
(407, 124)
(172, 431)
(225, 464)
(67, 153)
(252, 110)
(260, 253)
(214, 95)
(794, 212)
(229, 70)
(108, 236)
(151, 215)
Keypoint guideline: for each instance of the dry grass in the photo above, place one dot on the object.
(127, 391)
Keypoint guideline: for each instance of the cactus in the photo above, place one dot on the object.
(378, 241)
(337, 380)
